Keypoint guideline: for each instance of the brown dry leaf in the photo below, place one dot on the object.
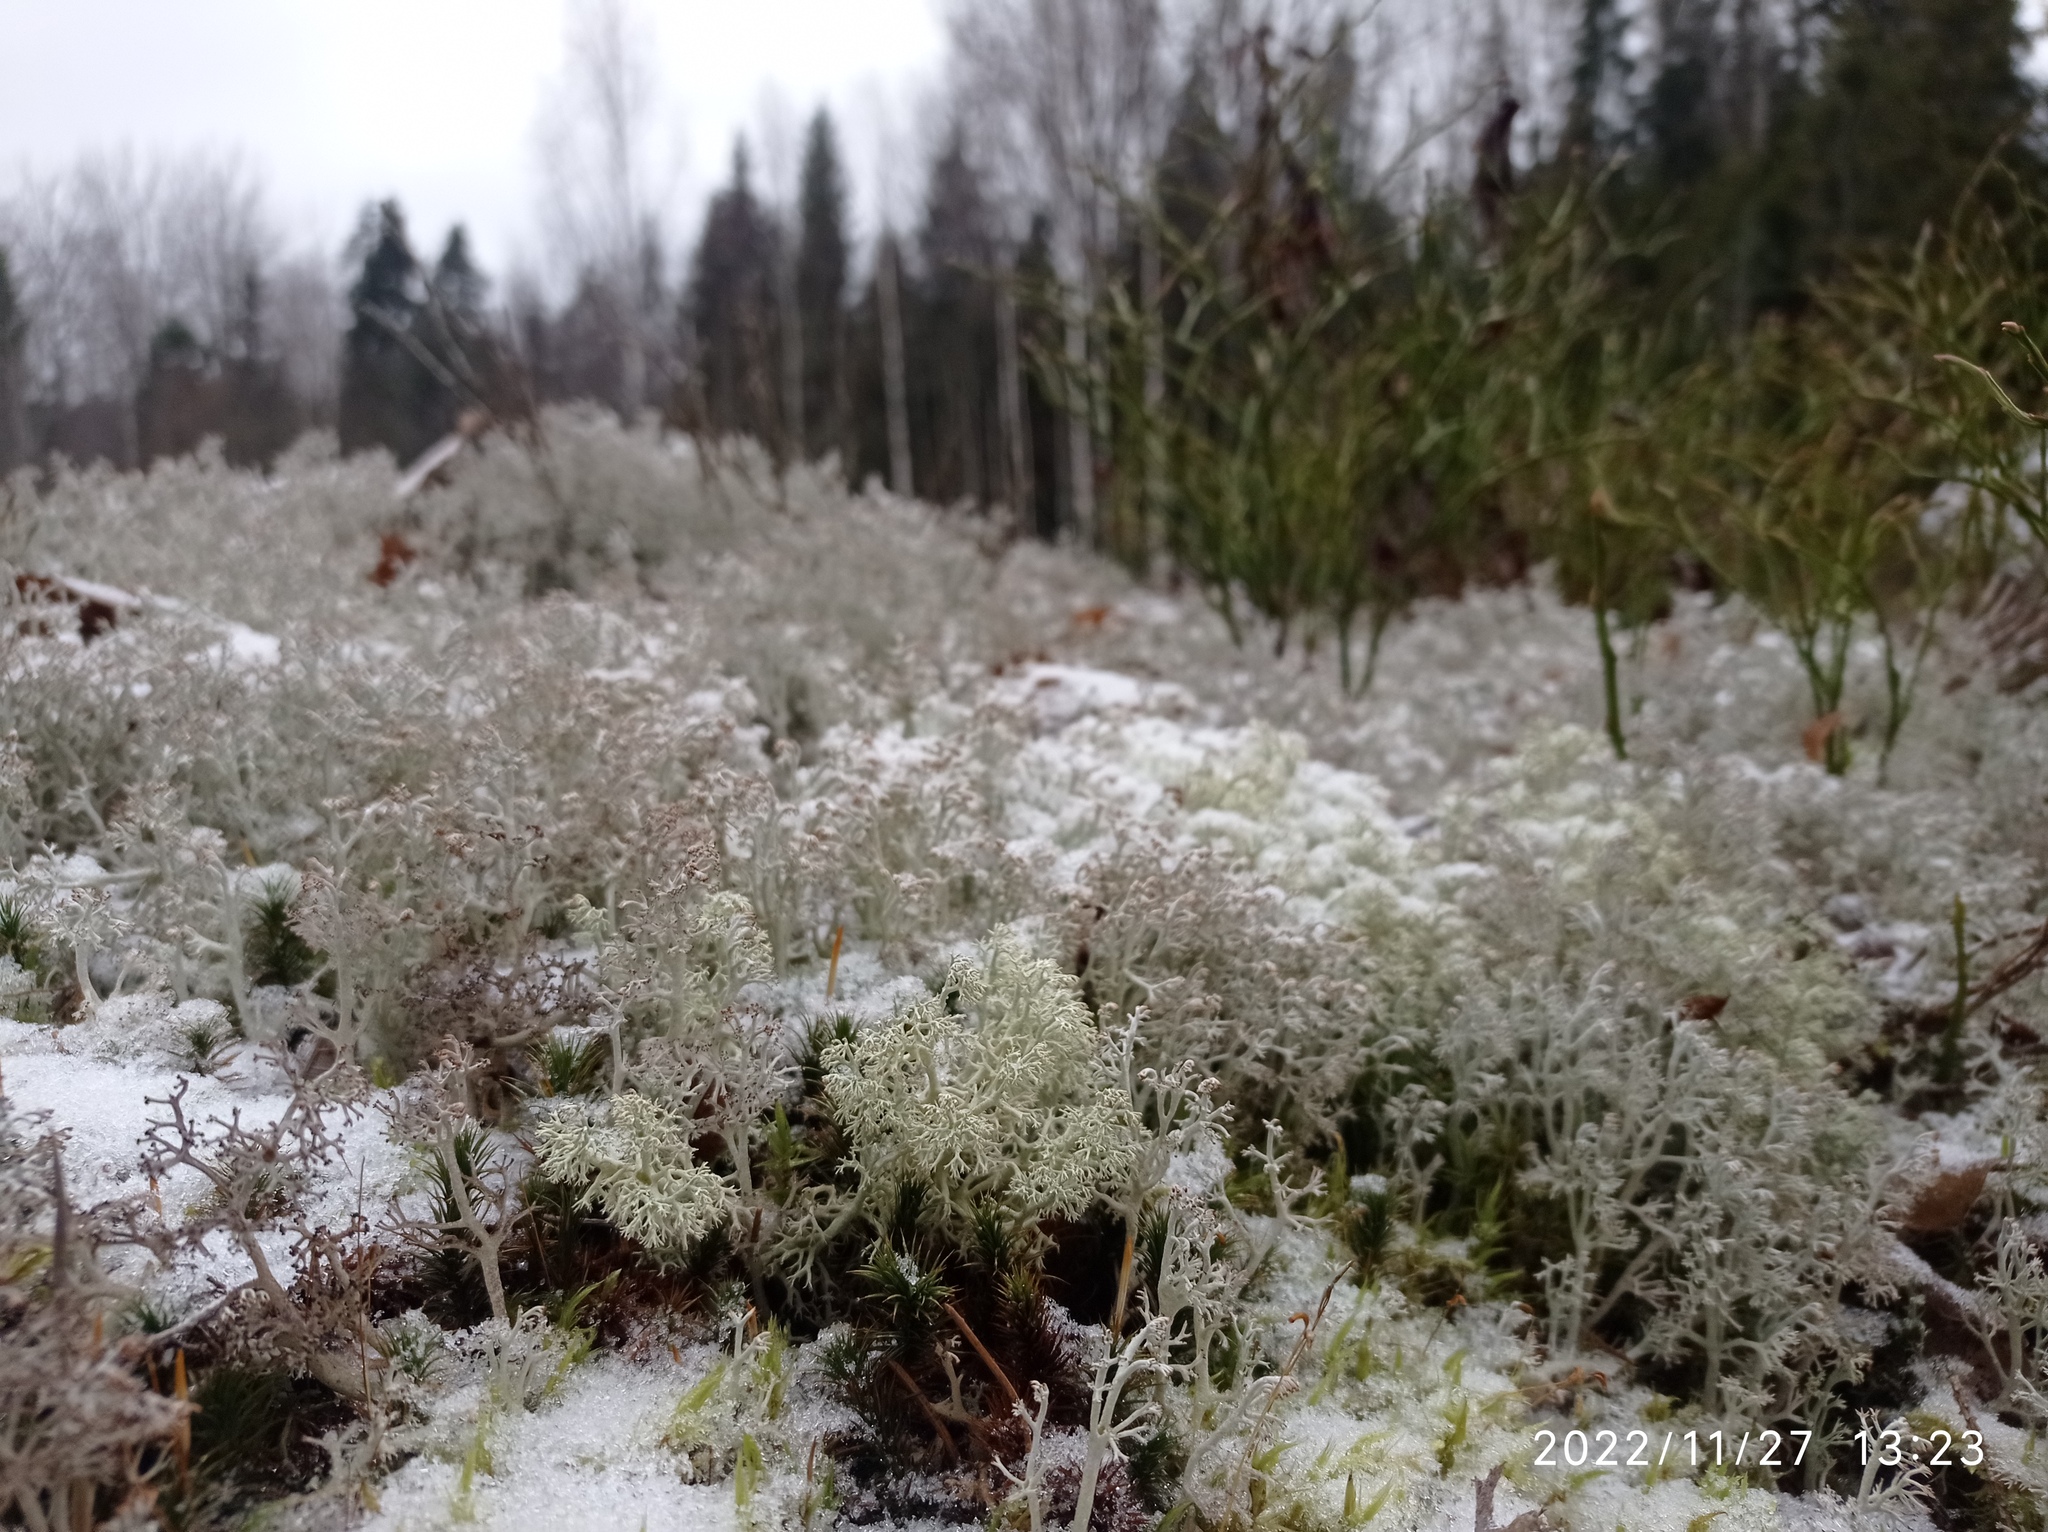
(1943, 1200)
(393, 554)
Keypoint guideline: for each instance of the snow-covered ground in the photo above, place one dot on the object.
(1656, 1002)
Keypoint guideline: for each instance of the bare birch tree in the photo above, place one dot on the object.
(1010, 404)
(779, 152)
(106, 252)
(597, 175)
(1069, 95)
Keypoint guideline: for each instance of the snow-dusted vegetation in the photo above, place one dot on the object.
(642, 994)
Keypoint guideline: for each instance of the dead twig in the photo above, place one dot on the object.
(2021, 965)
(1010, 1394)
(931, 1415)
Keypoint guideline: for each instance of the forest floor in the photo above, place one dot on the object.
(1609, 1127)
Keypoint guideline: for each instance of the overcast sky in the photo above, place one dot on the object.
(437, 101)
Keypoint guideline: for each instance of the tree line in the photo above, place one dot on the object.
(1741, 307)
(1104, 178)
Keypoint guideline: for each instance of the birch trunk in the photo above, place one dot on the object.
(1080, 428)
(1154, 503)
(632, 346)
(1010, 405)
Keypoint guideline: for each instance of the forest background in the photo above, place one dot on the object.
(1287, 300)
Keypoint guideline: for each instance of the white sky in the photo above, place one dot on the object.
(336, 102)
(437, 102)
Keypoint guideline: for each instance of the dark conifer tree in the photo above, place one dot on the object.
(261, 415)
(1914, 96)
(389, 397)
(1678, 120)
(866, 449)
(1784, 156)
(1045, 422)
(460, 289)
(178, 398)
(956, 434)
(821, 289)
(1706, 131)
(1194, 166)
(1598, 70)
(731, 313)
(234, 392)
(458, 330)
(575, 354)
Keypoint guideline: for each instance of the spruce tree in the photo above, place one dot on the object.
(1785, 157)
(730, 311)
(1040, 338)
(459, 333)
(1708, 135)
(955, 435)
(821, 289)
(1598, 69)
(389, 398)
(1194, 167)
(260, 416)
(176, 403)
(460, 289)
(895, 365)
(1914, 96)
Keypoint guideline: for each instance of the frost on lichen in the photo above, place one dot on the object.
(1599, 1074)
(1671, 890)
(683, 952)
(632, 1154)
(999, 1087)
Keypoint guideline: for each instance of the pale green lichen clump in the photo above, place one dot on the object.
(632, 1156)
(802, 1010)
(997, 1089)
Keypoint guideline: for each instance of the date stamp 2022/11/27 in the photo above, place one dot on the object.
(1890, 1446)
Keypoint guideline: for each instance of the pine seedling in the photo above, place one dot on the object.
(571, 1066)
(204, 1042)
(414, 1344)
(272, 949)
(1369, 1229)
(20, 934)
